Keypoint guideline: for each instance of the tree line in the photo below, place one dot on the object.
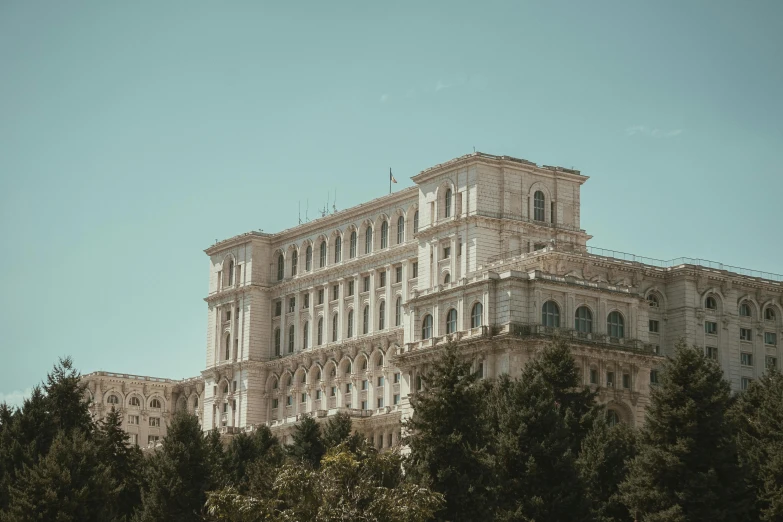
(534, 448)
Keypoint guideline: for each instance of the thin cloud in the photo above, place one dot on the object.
(15, 398)
(384, 98)
(440, 86)
(643, 130)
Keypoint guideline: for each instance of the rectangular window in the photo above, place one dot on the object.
(278, 308)
(593, 376)
(275, 403)
(306, 301)
(653, 376)
(746, 334)
(317, 395)
(366, 283)
(228, 315)
(657, 349)
(745, 383)
(610, 379)
(746, 359)
(711, 327)
(134, 439)
(333, 391)
(771, 338)
(304, 398)
(389, 439)
(397, 378)
(396, 399)
(364, 405)
(626, 381)
(398, 274)
(348, 387)
(350, 287)
(335, 292)
(364, 384)
(772, 362)
(133, 419)
(380, 381)
(155, 422)
(446, 252)
(711, 352)
(379, 402)
(320, 296)
(291, 305)
(288, 400)
(152, 439)
(415, 270)
(654, 326)
(382, 279)
(234, 385)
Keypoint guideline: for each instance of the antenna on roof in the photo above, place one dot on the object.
(474, 149)
(334, 203)
(300, 211)
(306, 209)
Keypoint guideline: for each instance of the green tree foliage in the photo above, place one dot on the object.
(447, 439)
(687, 467)
(603, 465)
(70, 483)
(337, 430)
(178, 474)
(252, 459)
(758, 416)
(307, 445)
(348, 485)
(124, 461)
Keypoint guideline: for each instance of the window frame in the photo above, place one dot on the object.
(426, 327)
(477, 315)
(550, 313)
(539, 206)
(615, 324)
(451, 321)
(583, 322)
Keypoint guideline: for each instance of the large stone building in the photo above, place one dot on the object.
(345, 312)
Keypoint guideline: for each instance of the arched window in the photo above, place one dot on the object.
(451, 321)
(368, 240)
(320, 333)
(612, 418)
(294, 260)
(366, 320)
(550, 314)
(447, 278)
(155, 403)
(538, 206)
(426, 327)
(113, 399)
(583, 320)
(352, 252)
(384, 234)
(134, 401)
(652, 300)
(305, 334)
(710, 303)
(615, 325)
(350, 324)
(475, 315)
(400, 230)
(334, 328)
(769, 313)
(744, 310)
(398, 312)
(280, 267)
(382, 316)
(416, 222)
(291, 339)
(277, 341)
(338, 249)
(309, 258)
(447, 205)
(322, 255)
(231, 273)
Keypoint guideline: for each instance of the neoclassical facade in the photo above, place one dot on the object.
(345, 312)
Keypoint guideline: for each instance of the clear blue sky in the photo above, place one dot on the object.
(134, 134)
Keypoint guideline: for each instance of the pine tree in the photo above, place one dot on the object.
(687, 466)
(65, 397)
(337, 430)
(124, 461)
(531, 453)
(447, 438)
(178, 474)
(69, 484)
(758, 417)
(307, 445)
(603, 464)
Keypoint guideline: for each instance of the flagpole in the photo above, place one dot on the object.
(390, 178)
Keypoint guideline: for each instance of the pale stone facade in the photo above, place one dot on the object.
(343, 313)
